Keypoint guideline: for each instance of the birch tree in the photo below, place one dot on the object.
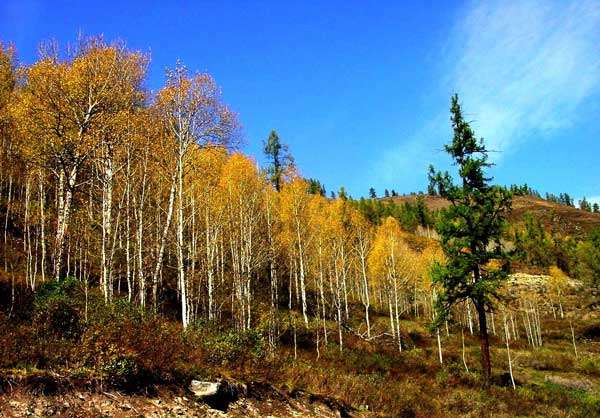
(193, 113)
(64, 103)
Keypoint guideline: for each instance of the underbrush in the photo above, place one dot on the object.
(116, 345)
(71, 338)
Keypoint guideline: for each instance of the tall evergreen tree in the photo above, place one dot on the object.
(277, 152)
(470, 230)
(315, 187)
(342, 193)
(585, 205)
(431, 190)
(372, 193)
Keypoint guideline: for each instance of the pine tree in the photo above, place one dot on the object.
(386, 193)
(372, 193)
(585, 205)
(431, 190)
(315, 187)
(470, 230)
(342, 193)
(280, 159)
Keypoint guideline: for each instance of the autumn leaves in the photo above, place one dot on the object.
(142, 195)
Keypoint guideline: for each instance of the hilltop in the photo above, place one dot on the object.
(555, 217)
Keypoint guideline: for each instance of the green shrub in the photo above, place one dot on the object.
(125, 373)
(581, 402)
(56, 309)
(119, 311)
(53, 290)
(441, 377)
(235, 347)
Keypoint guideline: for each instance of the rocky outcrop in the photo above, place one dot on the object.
(49, 394)
(204, 389)
(263, 400)
(218, 394)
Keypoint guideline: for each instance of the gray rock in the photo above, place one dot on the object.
(220, 394)
(204, 389)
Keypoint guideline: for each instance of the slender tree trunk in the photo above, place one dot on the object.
(161, 247)
(322, 292)
(8, 202)
(211, 250)
(439, 341)
(510, 368)
(107, 188)
(42, 226)
(366, 291)
(486, 364)
(469, 316)
(573, 338)
(462, 333)
(65, 197)
(272, 278)
(344, 286)
(27, 236)
(302, 274)
(514, 329)
(141, 273)
(128, 259)
(180, 261)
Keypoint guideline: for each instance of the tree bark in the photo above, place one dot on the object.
(161, 248)
(180, 261)
(486, 364)
(65, 197)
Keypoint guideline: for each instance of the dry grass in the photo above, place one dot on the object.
(122, 348)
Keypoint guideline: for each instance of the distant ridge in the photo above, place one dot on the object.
(568, 220)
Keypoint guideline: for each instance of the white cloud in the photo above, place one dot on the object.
(414, 155)
(525, 67)
(522, 69)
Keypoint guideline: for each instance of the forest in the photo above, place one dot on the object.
(142, 251)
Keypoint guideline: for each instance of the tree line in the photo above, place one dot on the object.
(142, 196)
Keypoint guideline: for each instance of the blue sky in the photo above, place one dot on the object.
(360, 90)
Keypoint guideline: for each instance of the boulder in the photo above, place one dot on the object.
(204, 389)
(220, 394)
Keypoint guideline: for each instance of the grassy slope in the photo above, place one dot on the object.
(372, 376)
(413, 383)
(567, 219)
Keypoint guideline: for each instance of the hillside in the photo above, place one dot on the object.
(144, 366)
(149, 268)
(564, 219)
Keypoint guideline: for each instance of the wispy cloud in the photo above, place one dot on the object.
(525, 66)
(521, 68)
